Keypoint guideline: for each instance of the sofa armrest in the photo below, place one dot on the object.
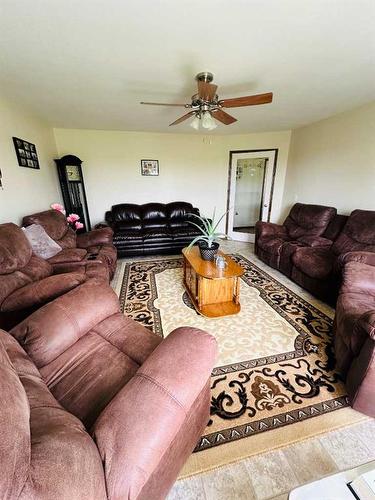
(358, 278)
(95, 237)
(315, 241)
(51, 330)
(269, 229)
(363, 257)
(40, 292)
(154, 405)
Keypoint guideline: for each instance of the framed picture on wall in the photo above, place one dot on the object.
(150, 167)
(26, 153)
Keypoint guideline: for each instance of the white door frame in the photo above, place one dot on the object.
(267, 193)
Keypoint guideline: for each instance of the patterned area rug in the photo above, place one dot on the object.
(275, 366)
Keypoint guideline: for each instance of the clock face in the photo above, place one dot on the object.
(72, 172)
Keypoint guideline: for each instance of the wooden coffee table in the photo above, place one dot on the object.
(214, 292)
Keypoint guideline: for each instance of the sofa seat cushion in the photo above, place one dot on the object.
(157, 223)
(128, 235)
(315, 262)
(184, 232)
(69, 255)
(90, 373)
(180, 223)
(157, 235)
(272, 245)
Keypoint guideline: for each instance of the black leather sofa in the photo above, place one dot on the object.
(152, 228)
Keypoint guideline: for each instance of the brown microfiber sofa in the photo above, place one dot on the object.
(27, 281)
(98, 407)
(310, 247)
(319, 269)
(354, 330)
(77, 249)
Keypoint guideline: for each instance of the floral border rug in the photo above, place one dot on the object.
(250, 395)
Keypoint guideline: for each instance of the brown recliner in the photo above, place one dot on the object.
(77, 249)
(354, 330)
(319, 269)
(27, 281)
(304, 227)
(144, 400)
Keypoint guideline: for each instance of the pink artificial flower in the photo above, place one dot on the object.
(79, 225)
(58, 207)
(72, 218)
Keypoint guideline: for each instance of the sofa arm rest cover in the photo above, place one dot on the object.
(51, 330)
(153, 406)
(101, 236)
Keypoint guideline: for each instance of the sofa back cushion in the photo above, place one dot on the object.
(45, 451)
(56, 326)
(126, 216)
(178, 214)
(308, 220)
(15, 256)
(335, 227)
(14, 428)
(357, 234)
(53, 221)
(129, 216)
(15, 249)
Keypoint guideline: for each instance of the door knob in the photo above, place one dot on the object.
(265, 206)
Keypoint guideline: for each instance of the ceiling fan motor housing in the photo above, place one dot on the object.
(204, 76)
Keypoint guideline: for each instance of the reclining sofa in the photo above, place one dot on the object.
(77, 249)
(311, 246)
(27, 281)
(354, 330)
(153, 228)
(97, 406)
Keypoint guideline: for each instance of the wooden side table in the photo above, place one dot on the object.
(214, 292)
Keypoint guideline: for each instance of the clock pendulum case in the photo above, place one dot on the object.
(73, 188)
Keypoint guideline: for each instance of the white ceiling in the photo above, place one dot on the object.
(88, 63)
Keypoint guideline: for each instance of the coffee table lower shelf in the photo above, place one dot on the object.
(215, 310)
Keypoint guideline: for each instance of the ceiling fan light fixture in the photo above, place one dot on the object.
(208, 121)
(195, 123)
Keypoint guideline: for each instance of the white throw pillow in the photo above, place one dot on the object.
(43, 246)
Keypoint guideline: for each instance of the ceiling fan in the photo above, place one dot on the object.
(206, 105)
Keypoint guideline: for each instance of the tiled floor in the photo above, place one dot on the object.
(272, 475)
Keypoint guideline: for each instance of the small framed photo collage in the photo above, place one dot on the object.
(26, 153)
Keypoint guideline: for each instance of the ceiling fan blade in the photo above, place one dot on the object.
(223, 117)
(183, 118)
(164, 104)
(250, 100)
(206, 91)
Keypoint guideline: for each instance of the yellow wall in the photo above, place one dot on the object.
(25, 190)
(192, 167)
(332, 162)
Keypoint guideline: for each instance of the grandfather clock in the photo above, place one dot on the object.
(69, 168)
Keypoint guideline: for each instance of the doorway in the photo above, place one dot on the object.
(250, 188)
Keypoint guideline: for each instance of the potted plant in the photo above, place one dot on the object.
(207, 241)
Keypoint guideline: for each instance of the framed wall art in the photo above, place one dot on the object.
(27, 155)
(150, 167)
